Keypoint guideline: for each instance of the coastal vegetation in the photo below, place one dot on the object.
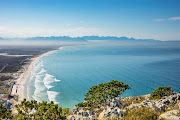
(161, 92)
(4, 113)
(103, 92)
(42, 110)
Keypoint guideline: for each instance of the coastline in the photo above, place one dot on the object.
(18, 87)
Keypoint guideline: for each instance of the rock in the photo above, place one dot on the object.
(173, 112)
(80, 114)
(116, 103)
(113, 107)
(136, 106)
(75, 110)
(127, 104)
(91, 113)
(158, 105)
(77, 117)
(170, 115)
(112, 111)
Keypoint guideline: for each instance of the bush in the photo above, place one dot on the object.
(4, 113)
(161, 92)
(65, 111)
(84, 104)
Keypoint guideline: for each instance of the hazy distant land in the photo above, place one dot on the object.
(84, 38)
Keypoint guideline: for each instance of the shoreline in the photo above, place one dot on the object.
(18, 87)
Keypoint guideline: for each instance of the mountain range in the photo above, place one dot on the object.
(84, 38)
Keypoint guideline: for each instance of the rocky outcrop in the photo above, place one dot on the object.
(112, 111)
(80, 114)
(158, 105)
(170, 115)
(114, 107)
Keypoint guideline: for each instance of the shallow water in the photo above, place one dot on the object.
(66, 75)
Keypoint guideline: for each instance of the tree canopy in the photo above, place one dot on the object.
(42, 110)
(105, 91)
(161, 92)
(4, 113)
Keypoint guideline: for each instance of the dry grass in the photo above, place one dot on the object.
(142, 113)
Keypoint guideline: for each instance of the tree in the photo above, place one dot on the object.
(42, 110)
(103, 92)
(161, 92)
(4, 113)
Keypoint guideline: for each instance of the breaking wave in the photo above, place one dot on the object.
(52, 96)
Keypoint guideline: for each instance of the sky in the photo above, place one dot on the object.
(141, 19)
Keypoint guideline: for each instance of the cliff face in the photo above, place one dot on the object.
(137, 107)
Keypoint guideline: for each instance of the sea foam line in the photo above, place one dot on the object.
(42, 83)
(52, 96)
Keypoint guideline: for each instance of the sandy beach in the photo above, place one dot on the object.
(18, 87)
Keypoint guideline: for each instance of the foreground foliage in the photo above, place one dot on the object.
(103, 92)
(4, 113)
(161, 92)
(43, 110)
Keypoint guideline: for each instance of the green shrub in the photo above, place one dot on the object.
(84, 104)
(65, 111)
(101, 93)
(44, 110)
(4, 113)
(161, 92)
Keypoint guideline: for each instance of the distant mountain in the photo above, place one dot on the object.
(57, 38)
(1, 38)
(115, 38)
(84, 38)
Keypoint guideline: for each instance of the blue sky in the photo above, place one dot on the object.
(157, 19)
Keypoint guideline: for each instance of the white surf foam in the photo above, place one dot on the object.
(52, 96)
(39, 89)
(57, 80)
(48, 79)
(42, 71)
(60, 48)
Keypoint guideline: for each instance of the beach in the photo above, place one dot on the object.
(18, 87)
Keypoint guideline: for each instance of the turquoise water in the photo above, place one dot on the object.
(65, 76)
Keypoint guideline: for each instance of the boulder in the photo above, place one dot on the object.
(170, 115)
(115, 103)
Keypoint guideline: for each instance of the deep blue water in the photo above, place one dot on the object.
(66, 75)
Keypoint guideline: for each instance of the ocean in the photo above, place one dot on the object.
(64, 76)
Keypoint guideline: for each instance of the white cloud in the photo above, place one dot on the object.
(160, 19)
(169, 19)
(81, 21)
(174, 18)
